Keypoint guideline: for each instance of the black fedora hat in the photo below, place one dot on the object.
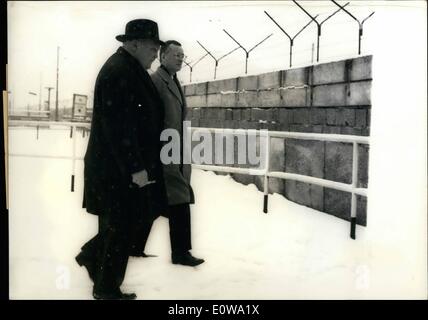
(140, 29)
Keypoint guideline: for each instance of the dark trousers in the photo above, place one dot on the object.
(108, 251)
(179, 230)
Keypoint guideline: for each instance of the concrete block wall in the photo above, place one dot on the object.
(326, 98)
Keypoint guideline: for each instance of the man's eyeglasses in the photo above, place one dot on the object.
(180, 56)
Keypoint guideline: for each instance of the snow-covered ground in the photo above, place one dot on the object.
(293, 252)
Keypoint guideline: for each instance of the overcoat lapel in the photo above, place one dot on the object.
(171, 85)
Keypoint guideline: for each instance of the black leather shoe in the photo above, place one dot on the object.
(186, 259)
(118, 295)
(88, 264)
(142, 255)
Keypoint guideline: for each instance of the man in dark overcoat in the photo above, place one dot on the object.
(123, 175)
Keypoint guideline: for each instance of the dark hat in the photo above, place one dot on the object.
(140, 29)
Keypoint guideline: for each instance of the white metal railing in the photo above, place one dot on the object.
(73, 126)
(265, 172)
(351, 188)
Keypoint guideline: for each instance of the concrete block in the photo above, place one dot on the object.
(197, 101)
(329, 72)
(202, 112)
(196, 113)
(274, 126)
(276, 185)
(350, 131)
(222, 85)
(215, 123)
(361, 118)
(201, 88)
(221, 113)
(219, 173)
(304, 157)
(210, 113)
(345, 117)
(369, 116)
(361, 68)
(338, 203)
(301, 128)
(258, 114)
(284, 127)
(305, 194)
(190, 90)
(243, 178)
(204, 123)
(285, 116)
(252, 125)
(331, 129)
(248, 83)
(317, 116)
(229, 100)
(329, 95)
(338, 162)
(247, 100)
(261, 124)
(297, 97)
(214, 100)
(230, 124)
(277, 152)
(363, 166)
(362, 210)
(301, 116)
(259, 182)
(238, 124)
(269, 80)
(236, 114)
(195, 122)
(294, 77)
(331, 116)
(246, 114)
(229, 114)
(360, 93)
(272, 114)
(269, 99)
(188, 113)
(365, 131)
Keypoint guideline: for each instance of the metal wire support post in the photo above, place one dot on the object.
(360, 24)
(319, 24)
(215, 59)
(247, 52)
(289, 37)
(191, 69)
(191, 66)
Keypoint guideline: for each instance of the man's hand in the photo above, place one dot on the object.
(141, 179)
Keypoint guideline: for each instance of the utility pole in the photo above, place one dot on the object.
(49, 97)
(28, 104)
(57, 76)
(40, 92)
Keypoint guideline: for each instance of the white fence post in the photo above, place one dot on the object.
(266, 176)
(73, 161)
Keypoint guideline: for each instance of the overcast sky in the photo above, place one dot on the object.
(85, 33)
